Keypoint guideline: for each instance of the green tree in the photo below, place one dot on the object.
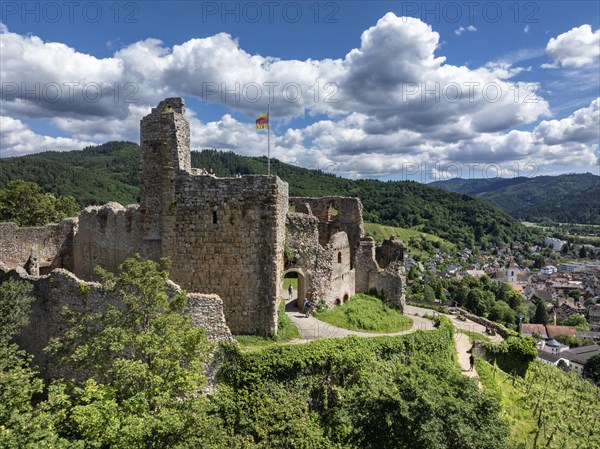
(66, 206)
(478, 301)
(502, 312)
(422, 407)
(572, 341)
(513, 355)
(15, 307)
(25, 422)
(541, 313)
(539, 261)
(461, 295)
(25, 204)
(575, 293)
(428, 293)
(144, 362)
(591, 369)
(576, 320)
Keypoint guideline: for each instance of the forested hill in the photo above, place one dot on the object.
(110, 172)
(571, 198)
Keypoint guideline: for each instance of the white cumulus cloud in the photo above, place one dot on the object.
(577, 47)
(17, 139)
(392, 100)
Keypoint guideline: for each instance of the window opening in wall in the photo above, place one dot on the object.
(340, 257)
(214, 216)
(332, 210)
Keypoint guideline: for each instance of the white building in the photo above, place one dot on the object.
(576, 358)
(573, 267)
(552, 346)
(512, 272)
(555, 244)
(549, 269)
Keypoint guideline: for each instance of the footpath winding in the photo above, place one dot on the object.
(311, 329)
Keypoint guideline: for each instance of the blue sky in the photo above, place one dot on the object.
(390, 90)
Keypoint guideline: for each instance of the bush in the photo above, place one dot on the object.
(513, 355)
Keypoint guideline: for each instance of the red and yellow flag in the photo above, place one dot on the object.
(262, 122)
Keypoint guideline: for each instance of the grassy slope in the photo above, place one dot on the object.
(473, 335)
(367, 314)
(569, 406)
(380, 232)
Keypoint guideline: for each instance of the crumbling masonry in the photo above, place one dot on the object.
(225, 237)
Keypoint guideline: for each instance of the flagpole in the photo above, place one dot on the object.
(268, 139)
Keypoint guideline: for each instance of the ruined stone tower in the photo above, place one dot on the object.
(223, 235)
(165, 151)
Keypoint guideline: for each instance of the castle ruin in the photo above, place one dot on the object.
(225, 236)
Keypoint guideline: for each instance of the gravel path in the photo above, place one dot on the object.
(310, 329)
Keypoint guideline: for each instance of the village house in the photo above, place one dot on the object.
(576, 358)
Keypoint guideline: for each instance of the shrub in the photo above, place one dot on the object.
(513, 355)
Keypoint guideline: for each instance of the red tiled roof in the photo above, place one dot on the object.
(531, 329)
(553, 331)
(549, 330)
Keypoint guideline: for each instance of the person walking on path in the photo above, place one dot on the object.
(308, 308)
(290, 291)
(471, 362)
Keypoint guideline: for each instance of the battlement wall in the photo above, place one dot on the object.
(389, 282)
(106, 236)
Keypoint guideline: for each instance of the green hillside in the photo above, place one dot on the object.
(95, 175)
(380, 232)
(580, 207)
(477, 186)
(571, 198)
(110, 172)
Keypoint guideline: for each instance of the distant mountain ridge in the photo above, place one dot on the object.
(569, 198)
(110, 172)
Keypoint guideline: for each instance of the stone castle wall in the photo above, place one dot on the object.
(325, 270)
(389, 251)
(335, 214)
(226, 236)
(365, 264)
(388, 282)
(343, 276)
(62, 288)
(106, 236)
(39, 248)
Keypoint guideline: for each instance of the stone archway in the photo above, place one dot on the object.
(301, 287)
